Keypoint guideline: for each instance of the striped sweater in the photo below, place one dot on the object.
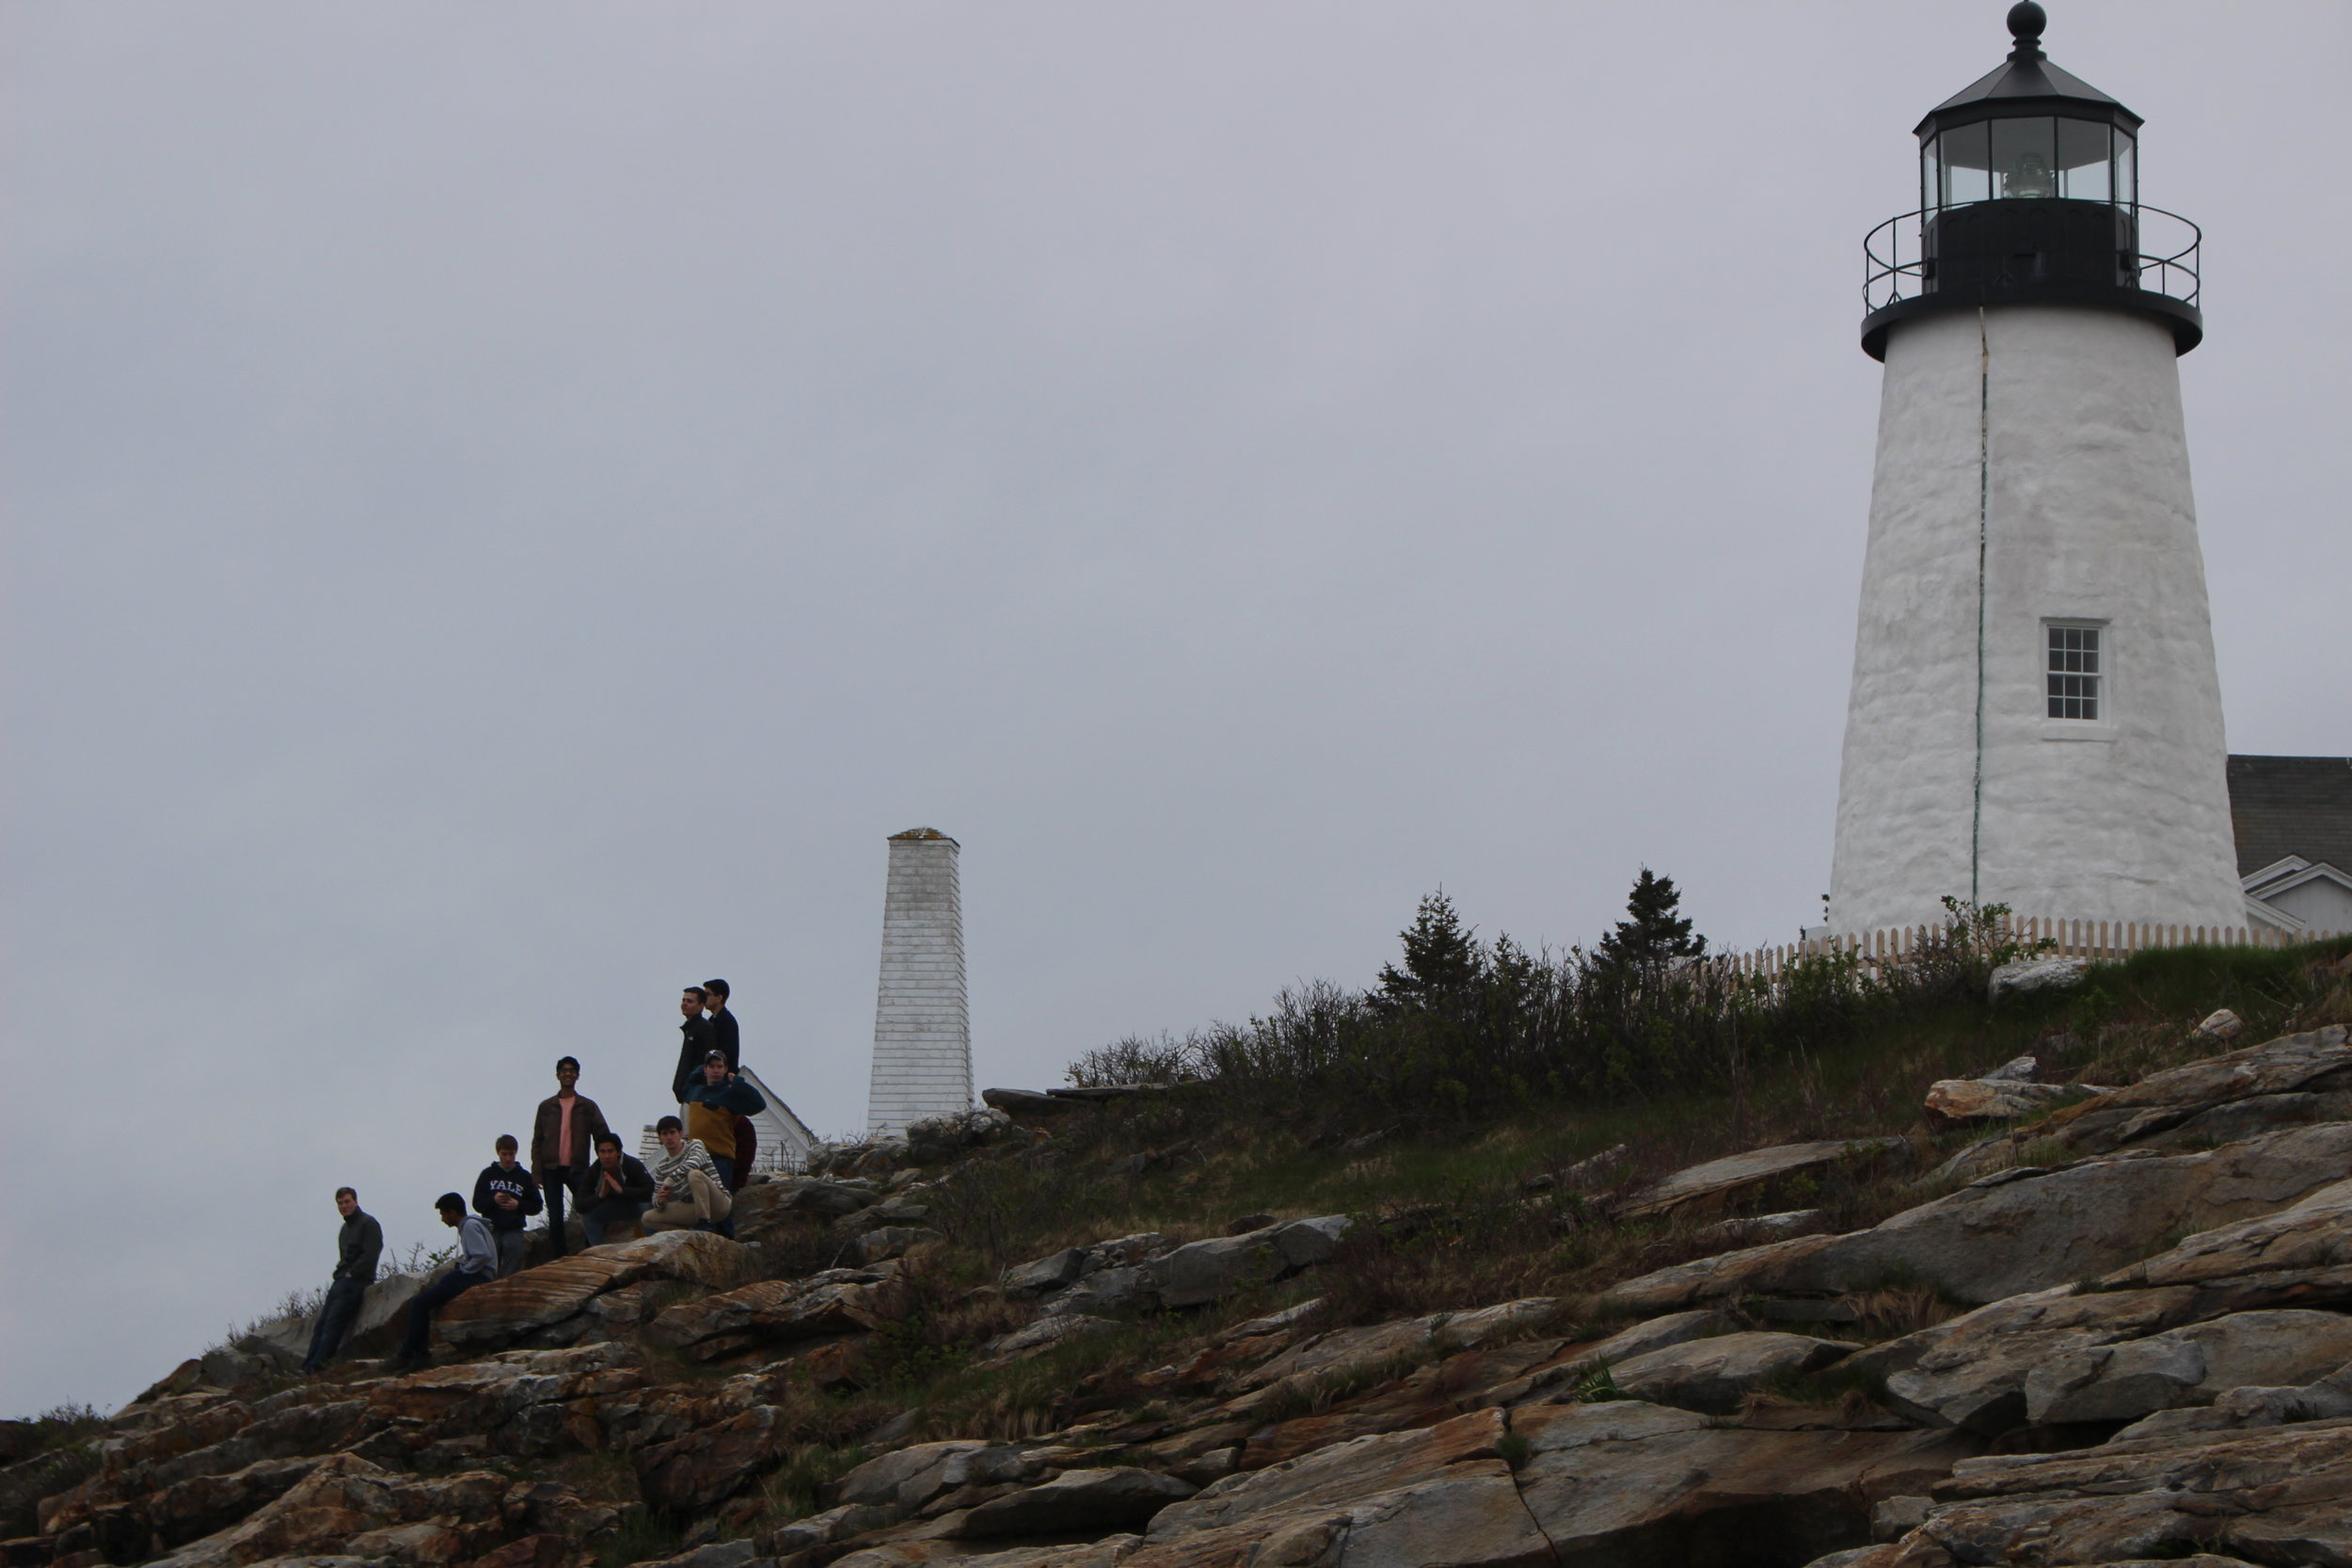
(670, 1171)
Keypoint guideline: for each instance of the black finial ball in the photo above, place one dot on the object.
(2026, 19)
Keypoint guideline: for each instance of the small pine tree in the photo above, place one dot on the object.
(1655, 932)
(1442, 958)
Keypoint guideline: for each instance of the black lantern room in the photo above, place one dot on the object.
(2029, 194)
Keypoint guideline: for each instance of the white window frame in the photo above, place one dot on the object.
(2102, 727)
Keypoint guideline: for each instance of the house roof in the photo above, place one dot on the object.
(2291, 806)
(777, 1110)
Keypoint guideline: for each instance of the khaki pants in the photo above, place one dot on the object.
(710, 1203)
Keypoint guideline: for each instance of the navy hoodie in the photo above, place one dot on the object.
(514, 1180)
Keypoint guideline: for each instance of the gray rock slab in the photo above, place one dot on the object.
(1971, 1372)
(1630, 1483)
(1952, 1100)
(2027, 1230)
(2028, 976)
(1130, 1289)
(1758, 1229)
(2316, 1061)
(1028, 1102)
(915, 1469)
(1076, 1502)
(1044, 1275)
(2275, 1495)
(2192, 1365)
(1675, 1328)
(1715, 1375)
(2313, 1232)
(1039, 1335)
(1717, 1182)
(1210, 1269)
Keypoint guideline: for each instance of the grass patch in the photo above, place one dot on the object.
(799, 1488)
(1314, 1396)
(1596, 1385)
(603, 1473)
(644, 1535)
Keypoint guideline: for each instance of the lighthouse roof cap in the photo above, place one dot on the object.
(2027, 82)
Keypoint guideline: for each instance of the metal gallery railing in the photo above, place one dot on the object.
(2163, 259)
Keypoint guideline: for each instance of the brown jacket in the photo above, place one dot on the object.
(587, 1122)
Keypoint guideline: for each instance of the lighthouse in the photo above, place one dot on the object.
(2035, 718)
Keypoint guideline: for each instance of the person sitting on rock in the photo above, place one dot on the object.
(616, 1189)
(687, 1191)
(712, 1103)
(357, 1250)
(477, 1264)
(506, 1195)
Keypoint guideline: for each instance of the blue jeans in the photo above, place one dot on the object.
(335, 1314)
(430, 1299)
(611, 1210)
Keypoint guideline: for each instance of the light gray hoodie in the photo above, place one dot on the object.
(478, 1254)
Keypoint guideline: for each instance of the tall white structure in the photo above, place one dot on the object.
(2035, 718)
(922, 1027)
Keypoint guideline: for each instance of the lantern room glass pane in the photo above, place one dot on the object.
(2126, 169)
(1967, 163)
(2084, 161)
(2025, 159)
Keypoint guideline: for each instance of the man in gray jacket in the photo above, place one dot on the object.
(477, 1264)
(356, 1251)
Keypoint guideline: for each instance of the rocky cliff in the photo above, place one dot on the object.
(2119, 1333)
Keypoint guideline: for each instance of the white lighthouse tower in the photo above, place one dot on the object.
(922, 1025)
(2035, 718)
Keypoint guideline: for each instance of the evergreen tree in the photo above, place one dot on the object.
(1442, 958)
(1654, 933)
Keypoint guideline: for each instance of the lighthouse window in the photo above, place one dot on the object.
(2074, 672)
(1965, 166)
(2025, 159)
(2084, 161)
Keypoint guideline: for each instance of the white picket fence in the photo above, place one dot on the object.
(2073, 938)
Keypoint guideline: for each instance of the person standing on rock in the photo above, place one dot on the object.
(712, 1102)
(719, 1030)
(693, 1040)
(616, 1189)
(688, 1191)
(357, 1250)
(477, 1264)
(506, 1195)
(562, 1139)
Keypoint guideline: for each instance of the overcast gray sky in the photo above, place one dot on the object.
(507, 507)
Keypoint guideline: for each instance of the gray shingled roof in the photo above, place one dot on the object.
(2283, 806)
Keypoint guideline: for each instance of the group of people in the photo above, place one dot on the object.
(574, 1154)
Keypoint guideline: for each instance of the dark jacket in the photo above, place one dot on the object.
(587, 1121)
(636, 1184)
(721, 1035)
(496, 1179)
(359, 1247)
(693, 1045)
(735, 1096)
